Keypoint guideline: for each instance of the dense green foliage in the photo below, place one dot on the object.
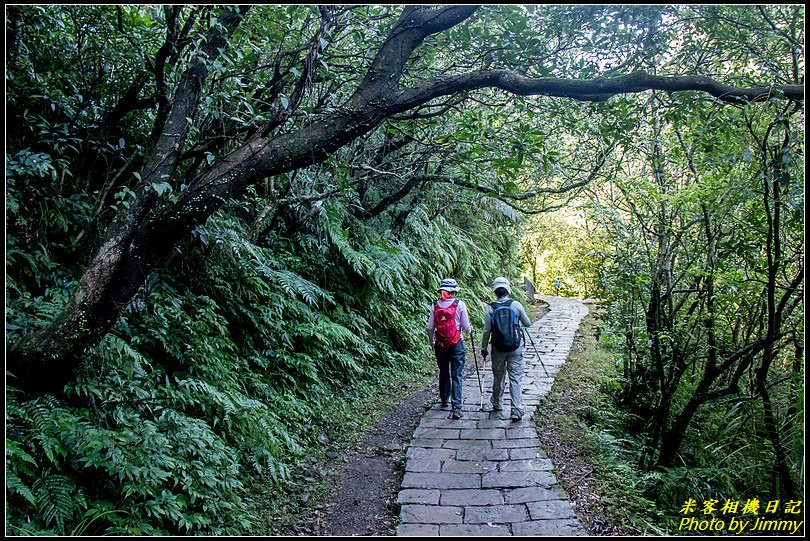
(695, 260)
(696, 242)
(222, 365)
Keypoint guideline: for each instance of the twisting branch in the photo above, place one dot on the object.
(286, 110)
(506, 198)
(788, 37)
(597, 89)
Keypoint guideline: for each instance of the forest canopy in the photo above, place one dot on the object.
(216, 216)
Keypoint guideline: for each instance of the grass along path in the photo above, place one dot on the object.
(571, 425)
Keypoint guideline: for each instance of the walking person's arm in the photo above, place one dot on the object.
(487, 330)
(431, 325)
(524, 318)
(464, 317)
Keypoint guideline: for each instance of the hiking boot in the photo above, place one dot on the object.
(497, 408)
(445, 402)
(457, 413)
(516, 416)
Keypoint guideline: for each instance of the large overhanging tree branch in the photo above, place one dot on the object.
(142, 237)
(597, 89)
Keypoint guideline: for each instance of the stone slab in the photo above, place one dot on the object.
(482, 454)
(495, 514)
(533, 494)
(437, 433)
(424, 465)
(517, 442)
(524, 453)
(418, 530)
(420, 496)
(473, 530)
(431, 514)
(551, 509)
(534, 464)
(422, 453)
(517, 479)
(441, 480)
(548, 528)
(471, 497)
(469, 466)
(484, 434)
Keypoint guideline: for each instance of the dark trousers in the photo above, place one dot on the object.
(451, 372)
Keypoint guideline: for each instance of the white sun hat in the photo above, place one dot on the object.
(448, 284)
(500, 281)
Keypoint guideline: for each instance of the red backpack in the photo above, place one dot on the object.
(447, 333)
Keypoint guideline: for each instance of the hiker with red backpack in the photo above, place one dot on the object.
(502, 320)
(448, 317)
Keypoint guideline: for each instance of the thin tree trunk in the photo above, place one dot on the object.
(773, 246)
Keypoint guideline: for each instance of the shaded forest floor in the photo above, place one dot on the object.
(578, 428)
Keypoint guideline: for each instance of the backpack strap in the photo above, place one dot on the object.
(495, 305)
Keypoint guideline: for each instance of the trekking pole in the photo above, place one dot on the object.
(480, 385)
(535, 351)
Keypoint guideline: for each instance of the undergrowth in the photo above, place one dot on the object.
(229, 370)
(582, 433)
(597, 455)
(299, 503)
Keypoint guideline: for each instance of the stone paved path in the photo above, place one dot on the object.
(484, 474)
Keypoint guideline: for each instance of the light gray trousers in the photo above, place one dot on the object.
(511, 363)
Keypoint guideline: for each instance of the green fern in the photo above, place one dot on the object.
(55, 496)
(200, 386)
(15, 485)
(294, 284)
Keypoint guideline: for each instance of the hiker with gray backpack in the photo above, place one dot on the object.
(502, 319)
(448, 316)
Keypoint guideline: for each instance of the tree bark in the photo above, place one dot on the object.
(44, 360)
(773, 244)
(673, 436)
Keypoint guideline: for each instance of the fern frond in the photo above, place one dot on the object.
(55, 494)
(490, 205)
(15, 485)
(294, 284)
